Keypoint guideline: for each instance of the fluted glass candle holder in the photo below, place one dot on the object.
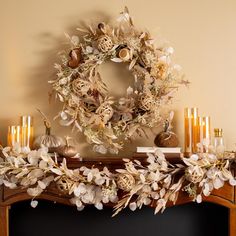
(26, 131)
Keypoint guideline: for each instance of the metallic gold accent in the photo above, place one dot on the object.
(218, 132)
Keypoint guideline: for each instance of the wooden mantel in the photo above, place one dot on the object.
(225, 196)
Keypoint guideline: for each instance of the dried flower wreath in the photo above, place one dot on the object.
(157, 182)
(90, 108)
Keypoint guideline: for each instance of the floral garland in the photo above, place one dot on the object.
(159, 181)
(87, 104)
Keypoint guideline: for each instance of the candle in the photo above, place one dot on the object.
(205, 131)
(192, 131)
(188, 130)
(14, 135)
(27, 131)
(196, 129)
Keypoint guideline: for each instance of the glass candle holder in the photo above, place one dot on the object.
(26, 131)
(205, 132)
(188, 131)
(192, 130)
(196, 129)
(14, 135)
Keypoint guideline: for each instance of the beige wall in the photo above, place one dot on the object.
(202, 32)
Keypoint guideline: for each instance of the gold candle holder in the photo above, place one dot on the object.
(14, 135)
(27, 131)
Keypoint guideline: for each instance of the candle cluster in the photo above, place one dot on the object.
(21, 134)
(197, 130)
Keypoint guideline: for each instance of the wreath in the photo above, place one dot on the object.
(87, 104)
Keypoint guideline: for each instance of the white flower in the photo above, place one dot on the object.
(75, 40)
(99, 206)
(199, 198)
(147, 201)
(169, 50)
(33, 157)
(34, 203)
(81, 189)
(133, 206)
(63, 81)
(151, 158)
(89, 49)
(34, 192)
(130, 90)
(80, 208)
(218, 183)
(99, 180)
(232, 182)
(194, 157)
(142, 178)
(63, 115)
(206, 190)
(78, 203)
(155, 186)
(161, 203)
(90, 177)
(9, 184)
(36, 173)
(211, 173)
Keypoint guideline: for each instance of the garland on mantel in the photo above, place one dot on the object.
(159, 181)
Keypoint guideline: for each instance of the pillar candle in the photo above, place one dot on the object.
(196, 129)
(205, 131)
(27, 131)
(188, 130)
(14, 135)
